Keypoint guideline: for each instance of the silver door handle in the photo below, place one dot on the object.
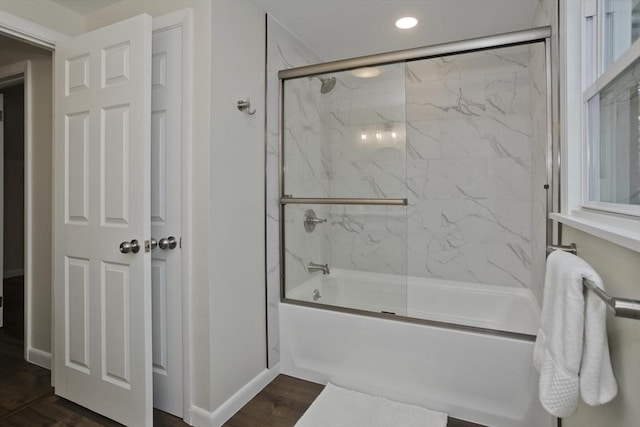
(132, 246)
(168, 243)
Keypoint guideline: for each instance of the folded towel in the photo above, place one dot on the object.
(571, 351)
(339, 407)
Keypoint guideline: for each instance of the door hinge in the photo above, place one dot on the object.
(1, 298)
(1, 116)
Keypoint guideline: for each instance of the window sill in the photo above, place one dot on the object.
(616, 229)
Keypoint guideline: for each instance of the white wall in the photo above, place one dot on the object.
(46, 13)
(237, 258)
(620, 270)
(12, 51)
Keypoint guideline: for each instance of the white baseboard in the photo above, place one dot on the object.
(7, 274)
(199, 417)
(243, 396)
(39, 357)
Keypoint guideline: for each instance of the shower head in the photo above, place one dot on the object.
(327, 84)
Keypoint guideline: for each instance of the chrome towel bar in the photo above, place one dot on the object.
(571, 248)
(620, 307)
(341, 201)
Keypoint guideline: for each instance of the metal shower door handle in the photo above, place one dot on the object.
(132, 246)
(168, 243)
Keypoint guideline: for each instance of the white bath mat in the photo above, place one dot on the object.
(338, 407)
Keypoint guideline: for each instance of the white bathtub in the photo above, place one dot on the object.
(478, 377)
(484, 306)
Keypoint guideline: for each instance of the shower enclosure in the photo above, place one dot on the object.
(416, 184)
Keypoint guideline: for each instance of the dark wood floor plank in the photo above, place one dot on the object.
(280, 404)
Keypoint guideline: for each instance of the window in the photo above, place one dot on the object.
(611, 137)
(599, 60)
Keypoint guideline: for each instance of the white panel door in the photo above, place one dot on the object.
(102, 297)
(166, 134)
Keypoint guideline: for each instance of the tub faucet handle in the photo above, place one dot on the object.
(311, 220)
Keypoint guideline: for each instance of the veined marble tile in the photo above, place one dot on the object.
(432, 69)
(467, 263)
(508, 92)
(462, 178)
(423, 140)
(511, 220)
(467, 137)
(509, 178)
(369, 238)
(433, 99)
(509, 264)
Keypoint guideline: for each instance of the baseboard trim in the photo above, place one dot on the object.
(199, 417)
(243, 396)
(39, 357)
(8, 274)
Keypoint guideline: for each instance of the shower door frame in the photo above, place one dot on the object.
(552, 154)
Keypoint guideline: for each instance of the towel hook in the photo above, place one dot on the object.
(246, 107)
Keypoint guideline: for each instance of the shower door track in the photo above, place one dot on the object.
(552, 187)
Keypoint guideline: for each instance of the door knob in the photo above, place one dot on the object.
(132, 246)
(168, 243)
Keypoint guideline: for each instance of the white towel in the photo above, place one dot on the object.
(339, 407)
(571, 351)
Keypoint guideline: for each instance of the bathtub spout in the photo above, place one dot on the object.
(312, 267)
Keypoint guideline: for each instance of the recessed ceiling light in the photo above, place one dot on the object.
(366, 72)
(406, 22)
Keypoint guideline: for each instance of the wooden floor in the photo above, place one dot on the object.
(27, 399)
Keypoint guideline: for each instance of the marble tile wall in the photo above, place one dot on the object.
(468, 174)
(283, 51)
(469, 168)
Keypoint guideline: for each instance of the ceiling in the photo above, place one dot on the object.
(339, 29)
(84, 7)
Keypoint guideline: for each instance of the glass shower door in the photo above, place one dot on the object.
(344, 186)
(477, 138)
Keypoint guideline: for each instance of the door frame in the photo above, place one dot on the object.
(16, 73)
(46, 38)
